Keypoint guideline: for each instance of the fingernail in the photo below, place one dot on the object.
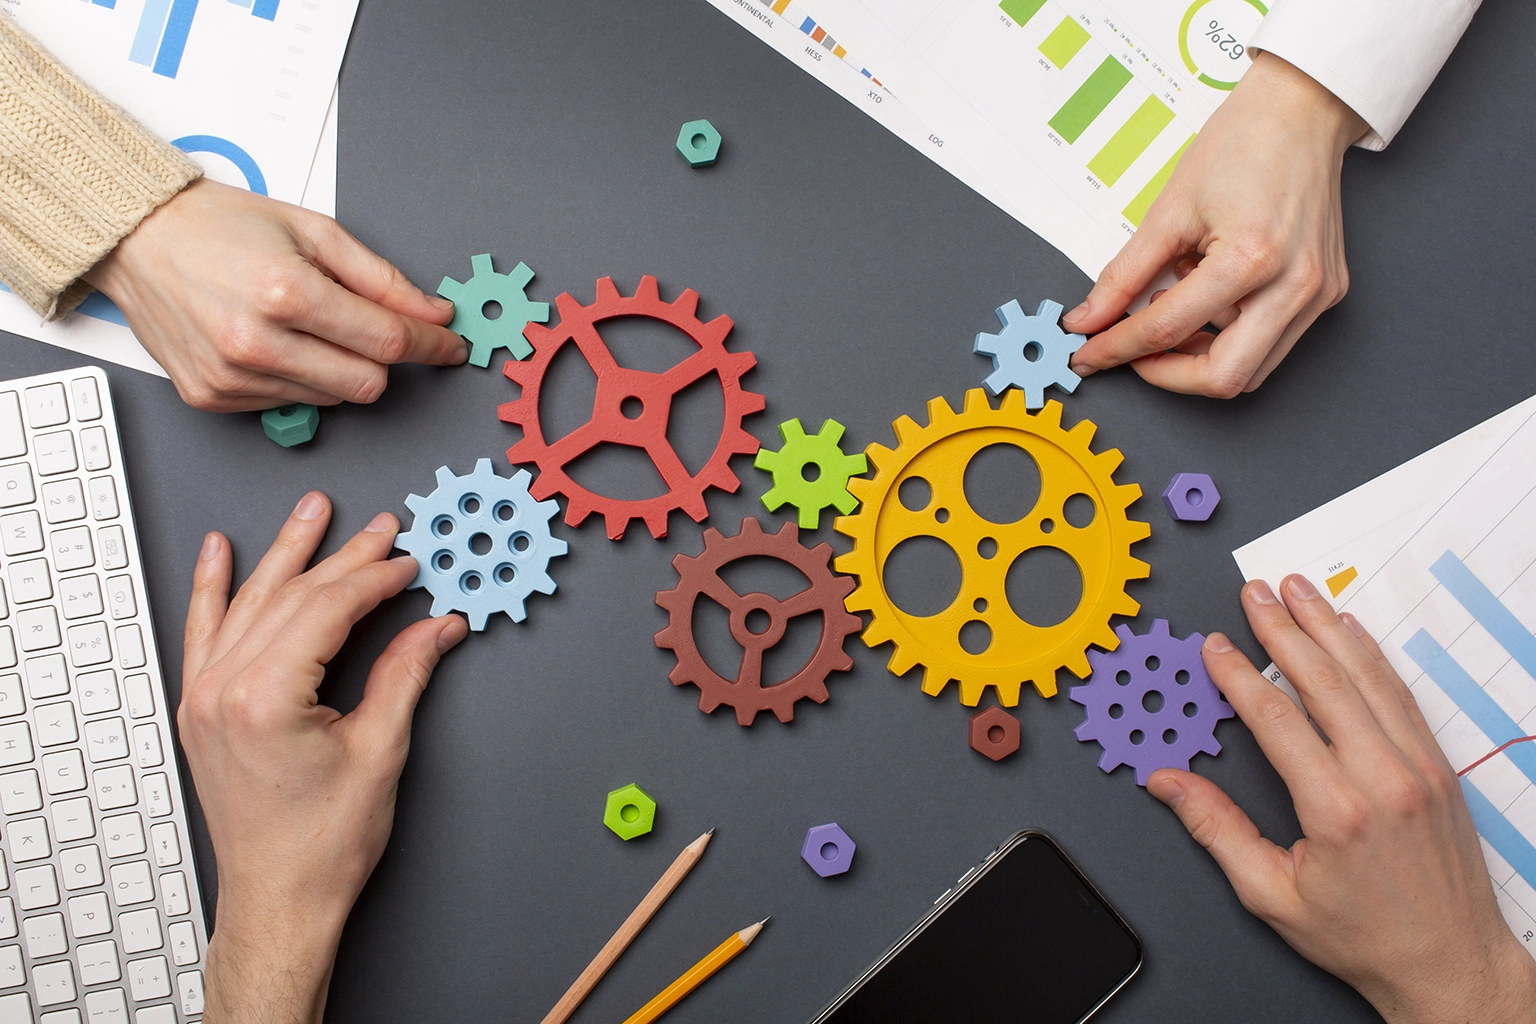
(1353, 624)
(1083, 369)
(210, 548)
(1217, 643)
(1078, 313)
(1301, 588)
(310, 506)
(453, 631)
(381, 523)
(440, 303)
(1260, 592)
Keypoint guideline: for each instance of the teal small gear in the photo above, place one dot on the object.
(470, 298)
(788, 465)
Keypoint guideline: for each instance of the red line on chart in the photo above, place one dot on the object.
(1496, 753)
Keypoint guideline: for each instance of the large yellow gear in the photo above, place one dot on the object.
(939, 454)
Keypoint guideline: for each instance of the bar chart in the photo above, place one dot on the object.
(817, 33)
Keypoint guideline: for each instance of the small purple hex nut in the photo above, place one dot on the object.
(828, 850)
(1191, 497)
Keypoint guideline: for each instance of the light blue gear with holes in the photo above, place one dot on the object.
(482, 543)
(1021, 337)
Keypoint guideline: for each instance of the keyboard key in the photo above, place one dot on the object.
(89, 915)
(46, 406)
(13, 438)
(22, 533)
(11, 971)
(120, 597)
(81, 867)
(72, 820)
(130, 646)
(146, 745)
(103, 498)
(114, 550)
(29, 839)
(115, 788)
(140, 930)
(149, 978)
(81, 596)
(157, 795)
(16, 484)
(189, 987)
(44, 935)
(37, 887)
(55, 724)
(141, 697)
(109, 1006)
(165, 1013)
(20, 793)
(94, 449)
(166, 841)
(11, 702)
(55, 453)
(106, 740)
(124, 834)
(37, 628)
(87, 398)
(5, 878)
(132, 883)
(183, 943)
(7, 649)
(98, 691)
(46, 677)
(16, 1009)
(63, 772)
(88, 644)
(63, 500)
(173, 891)
(69, 1016)
(4, 611)
(30, 581)
(7, 918)
(98, 965)
(15, 744)
(72, 549)
(55, 983)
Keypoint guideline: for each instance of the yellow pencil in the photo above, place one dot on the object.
(695, 975)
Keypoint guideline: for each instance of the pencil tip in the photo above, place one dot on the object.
(711, 831)
(765, 920)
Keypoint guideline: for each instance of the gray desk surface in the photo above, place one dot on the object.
(858, 272)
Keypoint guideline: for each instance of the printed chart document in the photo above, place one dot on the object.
(1454, 607)
(245, 87)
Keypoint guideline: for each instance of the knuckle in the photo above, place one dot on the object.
(371, 386)
(1225, 384)
(281, 296)
(242, 343)
(199, 708)
(247, 709)
(1274, 709)
(1406, 793)
(1351, 816)
(1256, 258)
(1308, 278)
(395, 341)
(1327, 679)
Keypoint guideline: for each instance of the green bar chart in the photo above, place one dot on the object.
(1021, 10)
(1131, 140)
(1090, 99)
(1064, 42)
(1143, 202)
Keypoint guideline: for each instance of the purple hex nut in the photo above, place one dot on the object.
(828, 850)
(1191, 497)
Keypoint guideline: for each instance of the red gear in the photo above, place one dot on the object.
(700, 576)
(617, 383)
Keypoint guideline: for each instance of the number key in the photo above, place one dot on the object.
(63, 500)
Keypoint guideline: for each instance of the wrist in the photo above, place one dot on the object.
(1305, 99)
(270, 960)
(1501, 992)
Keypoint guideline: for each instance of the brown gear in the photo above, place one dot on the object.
(700, 576)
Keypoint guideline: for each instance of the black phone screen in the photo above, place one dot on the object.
(1027, 940)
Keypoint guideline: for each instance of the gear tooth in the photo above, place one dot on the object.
(1008, 693)
(1067, 380)
(934, 680)
(1050, 415)
(557, 547)
(831, 433)
(976, 403)
(1159, 628)
(1011, 313)
(1109, 762)
(751, 402)
(766, 459)
(752, 526)
(900, 661)
(1127, 606)
(483, 468)
(1082, 433)
(789, 531)
(1034, 396)
(1077, 664)
(543, 583)
(686, 304)
(451, 290)
(985, 345)
(414, 502)
(1012, 404)
(879, 456)
(877, 633)
(746, 442)
(693, 507)
(648, 290)
(516, 609)
(1105, 638)
(615, 523)
(477, 619)
(855, 464)
(971, 691)
(445, 477)
(809, 517)
(482, 264)
(521, 275)
(845, 502)
(772, 499)
(1107, 462)
(606, 292)
(860, 487)
(570, 309)
(907, 430)
(1136, 569)
(792, 431)
(656, 522)
(996, 382)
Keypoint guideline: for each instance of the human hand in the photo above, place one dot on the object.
(1251, 222)
(299, 799)
(250, 303)
(1388, 888)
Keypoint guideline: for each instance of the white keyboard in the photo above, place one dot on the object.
(101, 921)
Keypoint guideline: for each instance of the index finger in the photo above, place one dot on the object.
(352, 321)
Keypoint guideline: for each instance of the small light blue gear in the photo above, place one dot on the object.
(470, 298)
(482, 544)
(1030, 352)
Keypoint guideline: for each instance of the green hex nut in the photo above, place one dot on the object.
(291, 425)
(699, 142)
(631, 812)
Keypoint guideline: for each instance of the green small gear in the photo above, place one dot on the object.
(788, 465)
(470, 298)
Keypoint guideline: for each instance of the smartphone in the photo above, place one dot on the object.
(1023, 936)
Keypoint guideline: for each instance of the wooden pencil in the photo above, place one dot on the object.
(696, 975)
(637, 919)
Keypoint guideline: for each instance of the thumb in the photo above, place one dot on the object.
(1260, 871)
(400, 676)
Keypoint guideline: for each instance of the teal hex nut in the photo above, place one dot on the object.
(699, 142)
(291, 425)
(630, 812)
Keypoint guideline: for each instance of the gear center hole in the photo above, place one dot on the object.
(1152, 702)
(810, 472)
(758, 621)
(1033, 352)
(632, 408)
(480, 544)
(491, 310)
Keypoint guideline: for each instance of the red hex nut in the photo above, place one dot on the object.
(828, 850)
(1191, 497)
(995, 733)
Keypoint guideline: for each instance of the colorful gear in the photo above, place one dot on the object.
(1182, 721)
(618, 385)
(699, 576)
(939, 454)
(833, 470)
(1030, 352)
(470, 298)
(481, 543)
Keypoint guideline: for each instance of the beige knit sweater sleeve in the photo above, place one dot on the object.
(77, 174)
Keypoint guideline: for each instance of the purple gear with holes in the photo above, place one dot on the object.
(1106, 691)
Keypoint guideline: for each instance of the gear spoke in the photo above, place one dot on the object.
(578, 442)
(690, 371)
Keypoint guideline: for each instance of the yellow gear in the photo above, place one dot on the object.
(939, 454)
